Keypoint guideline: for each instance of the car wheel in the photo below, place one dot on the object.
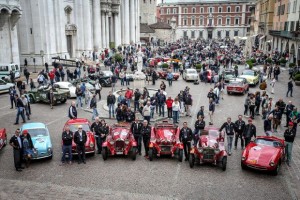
(276, 170)
(64, 101)
(180, 155)
(192, 160)
(133, 153)
(31, 99)
(150, 154)
(243, 166)
(104, 153)
(50, 157)
(224, 163)
(229, 93)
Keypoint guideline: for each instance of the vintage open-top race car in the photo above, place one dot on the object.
(265, 153)
(90, 142)
(165, 141)
(41, 94)
(3, 138)
(237, 85)
(210, 148)
(120, 141)
(163, 75)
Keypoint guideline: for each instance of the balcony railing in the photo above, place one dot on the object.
(284, 34)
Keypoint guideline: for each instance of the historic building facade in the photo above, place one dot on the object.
(10, 13)
(66, 28)
(208, 19)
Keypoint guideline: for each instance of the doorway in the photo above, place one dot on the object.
(209, 35)
(70, 45)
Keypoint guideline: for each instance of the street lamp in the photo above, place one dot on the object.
(42, 55)
(34, 65)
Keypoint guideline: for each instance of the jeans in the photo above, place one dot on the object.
(12, 102)
(128, 102)
(20, 112)
(111, 110)
(237, 136)
(66, 149)
(175, 117)
(169, 112)
(79, 100)
(288, 151)
(95, 113)
(252, 107)
(170, 82)
(246, 110)
(136, 105)
(138, 140)
(127, 82)
(146, 141)
(187, 149)
(99, 143)
(152, 111)
(161, 110)
(229, 142)
(122, 81)
(290, 90)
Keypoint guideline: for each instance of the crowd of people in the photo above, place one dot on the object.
(207, 53)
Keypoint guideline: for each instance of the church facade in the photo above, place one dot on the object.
(67, 28)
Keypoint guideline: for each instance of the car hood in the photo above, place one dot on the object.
(41, 143)
(119, 133)
(208, 141)
(262, 154)
(165, 134)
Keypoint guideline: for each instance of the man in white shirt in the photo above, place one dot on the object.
(98, 89)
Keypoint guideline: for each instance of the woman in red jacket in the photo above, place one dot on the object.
(169, 103)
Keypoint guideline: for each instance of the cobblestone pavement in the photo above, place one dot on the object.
(164, 178)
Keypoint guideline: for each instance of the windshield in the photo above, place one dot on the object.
(191, 72)
(235, 83)
(74, 127)
(38, 132)
(268, 142)
(249, 73)
(228, 73)
(213, 133)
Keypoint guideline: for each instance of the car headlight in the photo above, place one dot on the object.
(91, 144)
(200, 150)
(126, 142)
(49, 150)
(217, 151)
(272, 164)
(112, 142)
(35, 151)
(243, 158)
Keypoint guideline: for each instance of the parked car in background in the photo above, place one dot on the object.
(41, 94)
(190, 75)
(4, 86)
(265, 153)
(237, 85)
(252, 76)
(3, 138)
(228, 74)
(40, 136)
(6, 68)
(66, 86)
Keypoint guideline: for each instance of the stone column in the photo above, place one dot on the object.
(97, 25)
(103, 30)
(122, 15)
(132, 20)
(79, 23)
(111, 28)
(126, 22)
(117, 30)
(137, 16)
(107, 30)
(243, 14)
(62, 27)
(87, 25)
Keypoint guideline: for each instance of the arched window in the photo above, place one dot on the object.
(228, 9)
(201, 10)
(162, 11)
(174, 10)
(185, 20)
(185, 10)
(168, 11)
(219, 21)
(193, 10)
(193, 20)
(220, 9)
(201, 21)
(237, 9)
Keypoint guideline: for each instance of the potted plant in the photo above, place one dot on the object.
(297, 79)
(250, 63)
(269, 60)
(165, 66)
(118, 58)
(198, 67)
(291, 65)
(282, 62)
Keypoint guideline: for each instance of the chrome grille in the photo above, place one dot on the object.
(165, 148)
(208, 154)
(120, 145)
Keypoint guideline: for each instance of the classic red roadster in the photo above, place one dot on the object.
(237, 85)
(163, 75)
(3, 138)
(209, 149)
(165, 141)
(265, 153)
(90, 143)
(120, 141)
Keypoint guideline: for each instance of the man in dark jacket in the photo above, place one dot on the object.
(104, 130)
(51, 98)
(67, 137)
(289, 136)
(290, 88)
(185, 137)
(239, 130)
(80, 139)
(146, 133)
(249, 132)
(276, 117)
(12, 93)
(16, 143)
(137, 96)
(201, 112)
(230, 131)
(199, 127)
(95, 127)
(111, 100)
(72, 112)
(136, 127)
(161, 99)
(130, 115)
(20, 109)
(268, 125)
(289, 109)
(211, 95)
(188, 102)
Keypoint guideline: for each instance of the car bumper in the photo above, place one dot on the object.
(259, 167)
(41, 157)
(235, 91)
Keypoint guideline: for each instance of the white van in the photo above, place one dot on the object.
(6, 68)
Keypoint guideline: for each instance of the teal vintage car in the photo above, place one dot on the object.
(41, 94)
(41, 140)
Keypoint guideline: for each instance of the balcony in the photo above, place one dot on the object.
(210, 26)
(284, 34)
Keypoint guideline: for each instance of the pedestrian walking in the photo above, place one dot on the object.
(199, 127)
(273, 85)
(20, 110)
(128, 96)
(161, 100)
(268, 125)
(186, 136)
(290, 88)
(72, 111)
(98, 89)
(51, 98)
(211, 109)
(16, 142)
(175, 110)
(188, 102)
(169, 103)
(276, 118)
(252, 106)
(67, 138)
(289, 109)
(26, 106)
(170, 78)
(80, 139)
(79, 95)
(249, 132)
(289, 137)
(12, 93)
(239, 130)
(230, 132)
(93, 106)
(147, 112)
